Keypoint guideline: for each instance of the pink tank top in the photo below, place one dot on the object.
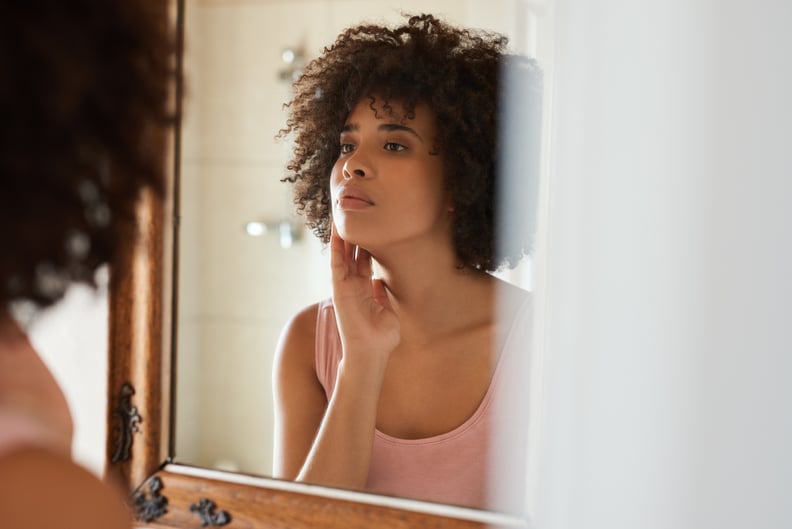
(449, 468)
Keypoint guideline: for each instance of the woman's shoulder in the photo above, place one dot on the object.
(300, 329)
(304, 321)
(78, 493)
(297, 342)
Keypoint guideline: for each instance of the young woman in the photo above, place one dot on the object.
(390, 385)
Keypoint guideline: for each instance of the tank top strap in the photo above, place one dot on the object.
(328, 346)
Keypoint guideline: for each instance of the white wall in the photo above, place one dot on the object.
(667, 343)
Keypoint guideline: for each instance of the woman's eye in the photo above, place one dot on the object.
(395, 147)
(346, 148)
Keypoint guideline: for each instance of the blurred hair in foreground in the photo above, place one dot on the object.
(84, 100)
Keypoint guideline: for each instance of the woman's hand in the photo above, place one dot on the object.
(367, 324)
(340, 452)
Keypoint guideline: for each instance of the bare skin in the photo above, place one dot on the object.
(35, 462)
(419, 342)
(28, 388)
(40, 489)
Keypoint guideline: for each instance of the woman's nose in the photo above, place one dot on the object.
(355, 165)
(354, 172)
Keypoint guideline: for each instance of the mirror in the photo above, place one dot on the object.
(243, 255)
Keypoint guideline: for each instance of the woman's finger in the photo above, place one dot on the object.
(363, 261)
(380, 293)
(349, 257)
(346, 258)
(336, 251)
(341, 256)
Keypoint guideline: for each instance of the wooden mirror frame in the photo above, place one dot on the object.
(141, 368)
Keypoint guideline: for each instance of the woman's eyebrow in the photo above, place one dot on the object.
(390, 127)
(387, 127)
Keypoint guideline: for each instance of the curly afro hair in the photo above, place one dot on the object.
(84, 100)
(456, 72)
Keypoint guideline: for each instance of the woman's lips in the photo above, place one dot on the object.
(353, 199)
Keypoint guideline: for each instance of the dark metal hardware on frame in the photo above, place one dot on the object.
(127, 423)
(149, 509)
(205, 509)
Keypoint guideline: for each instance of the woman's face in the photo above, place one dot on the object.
(387, 186)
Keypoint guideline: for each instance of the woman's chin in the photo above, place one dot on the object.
(359, 240)
(351, 235)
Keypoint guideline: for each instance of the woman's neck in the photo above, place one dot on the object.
(28, 389)
(11, 334)
(432, 294)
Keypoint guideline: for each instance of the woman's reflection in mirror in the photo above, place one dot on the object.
(84, 88)
(391, 385)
